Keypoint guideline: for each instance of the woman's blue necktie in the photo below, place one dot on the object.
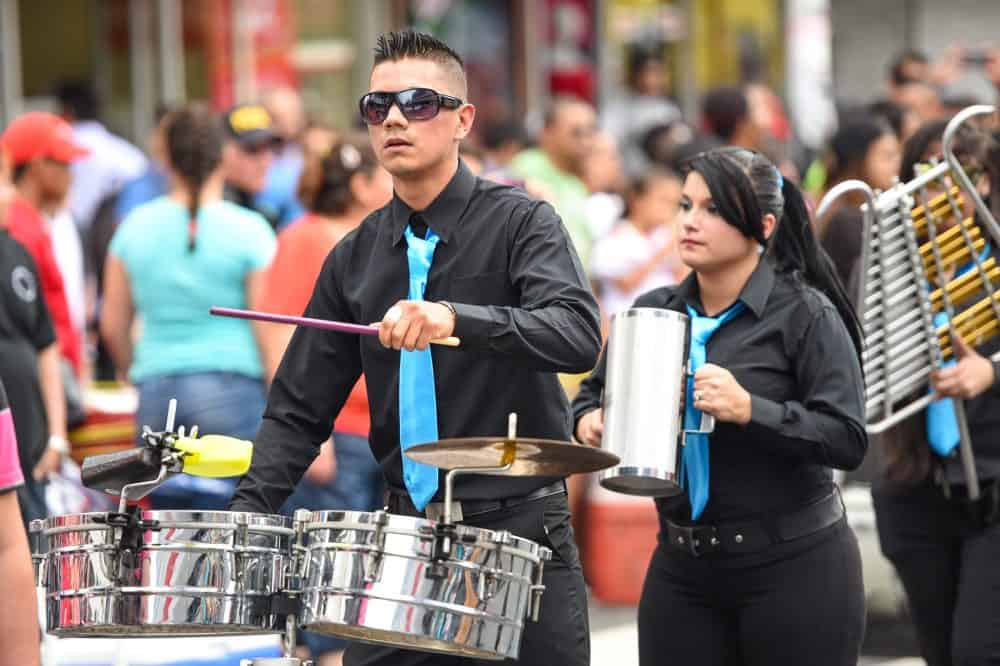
(694, 471)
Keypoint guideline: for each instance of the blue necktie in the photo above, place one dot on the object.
(694, 472)
(417, 400)
(942, 425)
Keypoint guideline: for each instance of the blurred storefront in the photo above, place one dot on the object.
(139, 54)
(703, 42)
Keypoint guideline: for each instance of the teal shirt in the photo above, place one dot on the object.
(172, 288)
(569, 195)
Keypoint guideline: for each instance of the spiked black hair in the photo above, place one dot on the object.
(410, 44)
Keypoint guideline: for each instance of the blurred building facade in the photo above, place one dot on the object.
(141, 53)
(868, 34)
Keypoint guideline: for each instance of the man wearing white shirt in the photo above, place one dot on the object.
(113, 161)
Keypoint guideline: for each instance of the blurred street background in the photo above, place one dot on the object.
(827, 89)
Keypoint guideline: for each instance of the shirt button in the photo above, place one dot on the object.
(714, 541)
(680, 539)
(738, 538)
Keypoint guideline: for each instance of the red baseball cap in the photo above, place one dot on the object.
(40, 134)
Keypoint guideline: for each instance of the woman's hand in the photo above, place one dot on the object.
(971, 376)
(717, 392)
(591, 427)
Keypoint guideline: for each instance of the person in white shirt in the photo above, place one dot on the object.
(113, 161)
(640, 251)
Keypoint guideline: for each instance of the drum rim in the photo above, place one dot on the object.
(520, 544)
(173, 518)
(637, 313)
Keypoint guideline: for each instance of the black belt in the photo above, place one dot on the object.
(398, 501)
(753, 536)
(985, 510)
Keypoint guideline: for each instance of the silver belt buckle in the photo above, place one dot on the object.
(435, 511)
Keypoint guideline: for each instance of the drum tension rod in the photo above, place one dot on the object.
(537, 588)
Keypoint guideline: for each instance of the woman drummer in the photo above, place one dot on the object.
(755, 562)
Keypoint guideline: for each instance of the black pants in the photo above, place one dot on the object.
(798, 602)
(561, 637)
(950, 568)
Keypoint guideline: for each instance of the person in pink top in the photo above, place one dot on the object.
(18, 624)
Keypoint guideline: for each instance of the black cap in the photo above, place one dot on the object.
(251, 125)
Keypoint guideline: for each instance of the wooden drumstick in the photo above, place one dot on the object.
(338, 326)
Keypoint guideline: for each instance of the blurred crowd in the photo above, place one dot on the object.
(111, 254)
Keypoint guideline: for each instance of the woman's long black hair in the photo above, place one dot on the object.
(745, 187)
(194, 148)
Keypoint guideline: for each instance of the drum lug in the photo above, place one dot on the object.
(537, 588)
(373, 563)
(38, 558)
(486, 584)
(242, 538)
(299, 565)
(503, 538)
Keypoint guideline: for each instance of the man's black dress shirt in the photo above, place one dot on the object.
(790, 350)
(524, 312)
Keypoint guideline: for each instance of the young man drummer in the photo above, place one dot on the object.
(504, 278)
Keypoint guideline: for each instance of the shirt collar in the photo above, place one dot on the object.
(754, 293)
(444, 213)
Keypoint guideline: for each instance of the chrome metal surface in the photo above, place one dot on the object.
(644, 401)
(194, 574)
(477, 609)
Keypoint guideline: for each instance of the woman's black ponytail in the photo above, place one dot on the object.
(794, 247)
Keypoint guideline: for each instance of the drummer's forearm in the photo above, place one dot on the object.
(553, 339)
(281, 457)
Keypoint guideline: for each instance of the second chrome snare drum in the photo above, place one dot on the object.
(364, 577)
(177, 573)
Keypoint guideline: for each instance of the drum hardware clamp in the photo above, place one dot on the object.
(445, 531)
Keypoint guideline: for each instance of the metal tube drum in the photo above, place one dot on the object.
(644, 401)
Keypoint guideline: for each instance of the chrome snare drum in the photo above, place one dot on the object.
(647, 371)
(365, 577)
(168, 573)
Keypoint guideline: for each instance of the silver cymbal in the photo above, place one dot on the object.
(527, 456)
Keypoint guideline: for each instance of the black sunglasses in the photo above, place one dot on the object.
(413, 103)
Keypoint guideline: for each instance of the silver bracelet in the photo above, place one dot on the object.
(450, 307)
